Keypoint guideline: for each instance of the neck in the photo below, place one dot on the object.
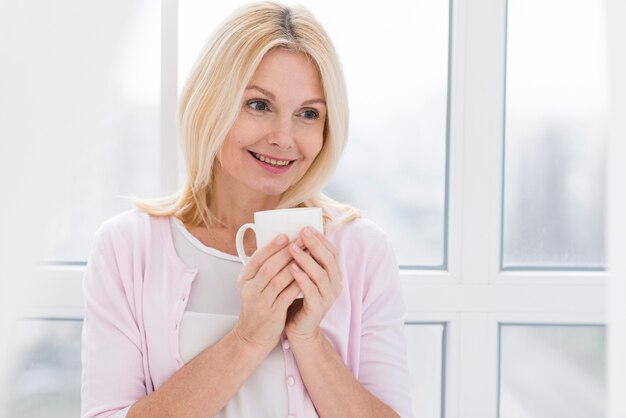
(234, 205)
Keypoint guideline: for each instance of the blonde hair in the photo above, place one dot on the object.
(211, 99)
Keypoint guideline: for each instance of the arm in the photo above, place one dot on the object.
(332, 387)
(112, 354)
(383, 367)
(113, 381)
(203, 386)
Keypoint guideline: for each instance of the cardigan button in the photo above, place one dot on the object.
(291, 381)
(286, 344)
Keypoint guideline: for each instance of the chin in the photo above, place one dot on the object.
(270, 189)
(274, 192)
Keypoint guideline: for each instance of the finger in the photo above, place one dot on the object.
(322, 254)
(278, 282)
(287, 296)
(270, 269)
(325, 254)
(305, 259)
(333, 269)
(309, 289)
(329, 245)
(261, 255)
(308, 265)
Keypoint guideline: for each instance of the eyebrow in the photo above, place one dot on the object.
(273, 97)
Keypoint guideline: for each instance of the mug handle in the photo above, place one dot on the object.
(241, 251)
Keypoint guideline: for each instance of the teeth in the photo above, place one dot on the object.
(270, 161)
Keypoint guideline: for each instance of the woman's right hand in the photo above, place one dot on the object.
(267, 288)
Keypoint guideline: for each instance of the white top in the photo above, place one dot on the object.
(211, 312)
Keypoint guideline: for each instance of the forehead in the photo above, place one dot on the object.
(282, 71)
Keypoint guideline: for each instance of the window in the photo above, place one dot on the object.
(101, 102)
(426, 365)
(551, 371)
(556, 131)
(45, 374)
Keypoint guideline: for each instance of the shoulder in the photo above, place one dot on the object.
(128, 240)
(130, 226)
(367, 256)
(358, 227)
(125, 224)
(360, 234)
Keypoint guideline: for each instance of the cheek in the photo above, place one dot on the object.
(320, 144)
(318, 148)
(237, 139)
(228, 156)
(240, 133)
(314, 144)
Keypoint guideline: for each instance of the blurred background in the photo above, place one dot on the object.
(478, 141)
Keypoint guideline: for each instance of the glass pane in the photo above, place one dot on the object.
(426, 359)
(45, 380)
(556, 130)
(552, 371)
(394, 167)
(90, 84)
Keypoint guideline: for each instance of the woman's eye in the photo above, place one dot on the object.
(310, 114)
(258, 105)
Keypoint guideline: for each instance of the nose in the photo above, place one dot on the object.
(282, 133)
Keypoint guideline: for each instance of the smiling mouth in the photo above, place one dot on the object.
(269, 161)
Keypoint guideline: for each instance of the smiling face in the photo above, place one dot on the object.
(279, 129)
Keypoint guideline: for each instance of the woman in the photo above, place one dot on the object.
(176, 326)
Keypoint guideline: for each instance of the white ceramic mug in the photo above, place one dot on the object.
(268, 224)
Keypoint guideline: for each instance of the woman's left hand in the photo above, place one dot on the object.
(318, 274)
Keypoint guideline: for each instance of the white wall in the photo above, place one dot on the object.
(617, 212)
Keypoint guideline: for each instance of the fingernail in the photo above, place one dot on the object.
(308, 231)
(296, 248)
(281, 239)
(295, 267)
(299, 243)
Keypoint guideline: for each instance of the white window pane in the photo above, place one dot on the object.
(556, 119)
(394, 167)
(89, 83)
(552, 371)
(426, 359)
(45, 380)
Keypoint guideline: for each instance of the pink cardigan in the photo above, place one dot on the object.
(136, 289)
